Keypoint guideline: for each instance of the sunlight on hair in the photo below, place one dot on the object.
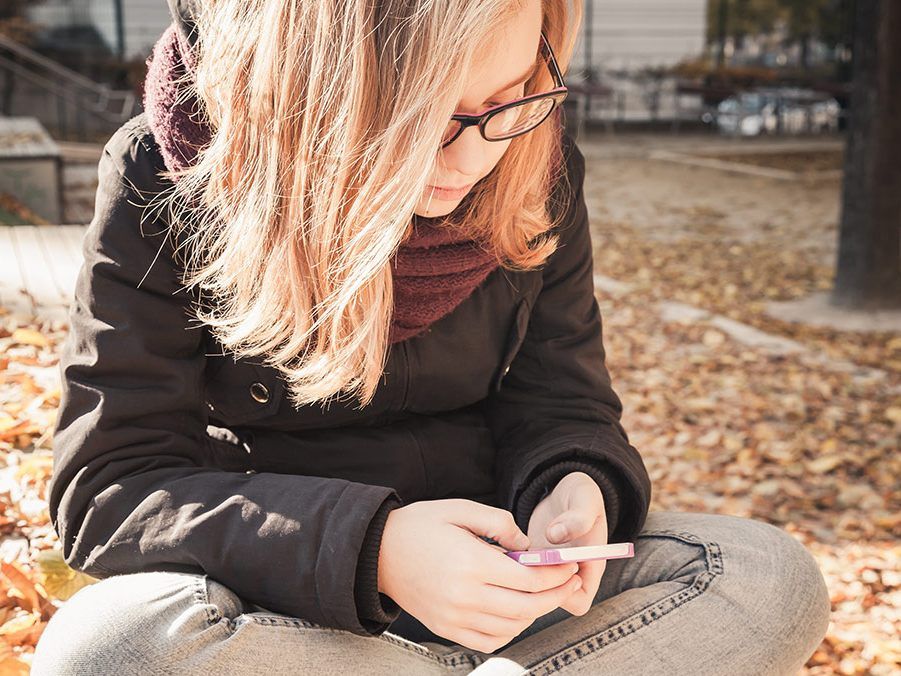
(323, 139)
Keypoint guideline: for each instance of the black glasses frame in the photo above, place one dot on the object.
(482, 120)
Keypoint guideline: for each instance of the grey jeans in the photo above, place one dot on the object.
(704, 594)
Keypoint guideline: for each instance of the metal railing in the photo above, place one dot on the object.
(76, 95)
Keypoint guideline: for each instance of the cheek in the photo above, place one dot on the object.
(497, 151)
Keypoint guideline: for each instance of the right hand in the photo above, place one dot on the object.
(434, 565)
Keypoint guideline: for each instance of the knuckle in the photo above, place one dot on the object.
(518, 613)
(525, 615)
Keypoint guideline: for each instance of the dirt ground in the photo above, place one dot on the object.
(668, 201)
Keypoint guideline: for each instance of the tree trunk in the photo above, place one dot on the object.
(868, 274)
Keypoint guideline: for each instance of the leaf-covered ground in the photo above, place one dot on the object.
(805, 441)
(808, 441)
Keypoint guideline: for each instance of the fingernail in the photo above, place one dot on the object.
(558, 530)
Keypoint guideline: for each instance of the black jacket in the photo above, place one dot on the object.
(170, 456)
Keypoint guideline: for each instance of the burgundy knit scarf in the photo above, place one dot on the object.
(433, 271)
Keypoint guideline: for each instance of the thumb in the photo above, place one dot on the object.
(493, 522)
(570, 524)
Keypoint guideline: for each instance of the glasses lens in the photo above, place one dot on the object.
(521, 118)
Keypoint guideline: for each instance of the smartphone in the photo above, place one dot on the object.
(550, 557)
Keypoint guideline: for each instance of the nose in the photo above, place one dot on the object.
(466, 155)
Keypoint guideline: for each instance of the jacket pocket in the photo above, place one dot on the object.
(227, 450)
(243, 391)
(515, 337)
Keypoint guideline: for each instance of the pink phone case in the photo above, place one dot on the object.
(544, 557)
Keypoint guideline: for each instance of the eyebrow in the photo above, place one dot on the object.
(525, 76)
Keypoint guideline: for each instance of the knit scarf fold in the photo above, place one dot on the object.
(433, 271)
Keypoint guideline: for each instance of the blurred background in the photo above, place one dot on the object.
(744, 188)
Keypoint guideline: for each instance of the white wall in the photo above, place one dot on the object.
(626, 33)
(629, 34)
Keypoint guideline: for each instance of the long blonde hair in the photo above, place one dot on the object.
(325, 123)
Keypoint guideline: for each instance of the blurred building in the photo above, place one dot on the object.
(127, 28)
(624, 35)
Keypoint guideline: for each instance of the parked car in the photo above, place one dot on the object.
(776, 110)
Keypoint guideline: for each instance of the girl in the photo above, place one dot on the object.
(351, 355)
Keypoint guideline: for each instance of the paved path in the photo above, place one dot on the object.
(38, 268)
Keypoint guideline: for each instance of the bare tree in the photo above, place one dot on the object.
(868, 274)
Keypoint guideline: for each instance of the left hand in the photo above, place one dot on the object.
(578, 504)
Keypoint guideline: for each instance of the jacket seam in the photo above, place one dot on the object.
(427, 481)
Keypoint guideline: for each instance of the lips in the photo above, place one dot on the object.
(449, 193)
(451, 189)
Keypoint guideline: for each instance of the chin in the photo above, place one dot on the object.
(438, 207)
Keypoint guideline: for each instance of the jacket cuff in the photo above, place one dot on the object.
(546, 480)
(376, 610)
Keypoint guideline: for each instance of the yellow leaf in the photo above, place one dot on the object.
(30, 337)
(59, 579)
(16, 630)
(825, 463)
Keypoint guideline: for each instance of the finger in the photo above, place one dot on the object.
(496, 625)
(591, 573)
(499, 569)
(518, 605)
(493, 522)
(578, 603)
(571, 524)
(477, 640)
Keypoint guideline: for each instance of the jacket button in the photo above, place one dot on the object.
(507, 370)
(259, 392)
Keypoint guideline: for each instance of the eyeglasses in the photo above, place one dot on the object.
(517, 117)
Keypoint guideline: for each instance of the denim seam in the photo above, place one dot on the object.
(452, 660)
(714, 560)
(162, 663)
(202, 596)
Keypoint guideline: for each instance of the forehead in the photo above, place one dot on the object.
(512, 49)
(501, 68)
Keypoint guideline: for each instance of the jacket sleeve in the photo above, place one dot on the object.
(556, 411)
(133, 488)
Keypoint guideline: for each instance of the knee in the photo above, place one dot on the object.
(122, 623)
(781, 588)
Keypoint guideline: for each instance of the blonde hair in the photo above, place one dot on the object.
(326, 121)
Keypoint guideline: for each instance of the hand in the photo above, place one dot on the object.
(434, 565)
(577, 504)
